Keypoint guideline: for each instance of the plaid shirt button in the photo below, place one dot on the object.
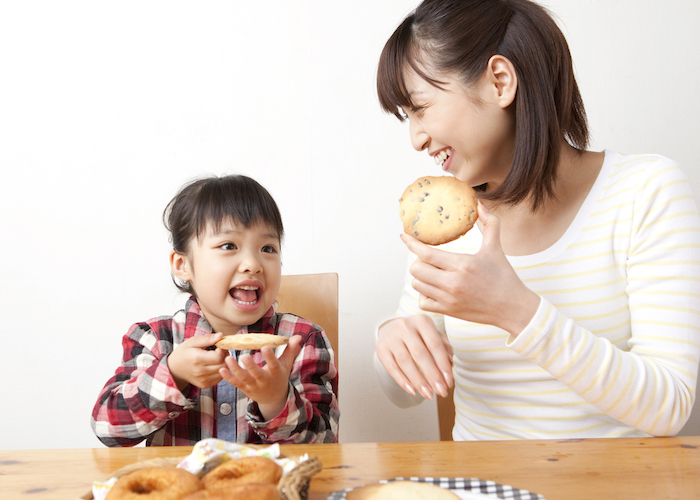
(225, 409)
(173, 414)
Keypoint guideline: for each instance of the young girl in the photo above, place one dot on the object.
(573, 310)
(174, 386)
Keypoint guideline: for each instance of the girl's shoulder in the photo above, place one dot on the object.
(288, 324)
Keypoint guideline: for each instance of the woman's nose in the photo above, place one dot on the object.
(419, 139)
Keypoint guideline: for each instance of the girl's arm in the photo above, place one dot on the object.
(311, 412)
(142, 396)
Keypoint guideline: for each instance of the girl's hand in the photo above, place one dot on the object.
(416, 355)
(482, 288)
(191, 363)
(267, 385)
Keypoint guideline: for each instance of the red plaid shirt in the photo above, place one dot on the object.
(142, 401)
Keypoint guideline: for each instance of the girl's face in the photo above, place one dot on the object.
(465, 130)
(235, 273)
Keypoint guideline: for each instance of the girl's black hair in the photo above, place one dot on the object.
(215, 200)
(458, 37)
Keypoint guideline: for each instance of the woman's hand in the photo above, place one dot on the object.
(191, 363)
(481, 288)
(267, 385)
(416, 355)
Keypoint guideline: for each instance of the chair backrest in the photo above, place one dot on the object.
(446, 415)
(313, 297)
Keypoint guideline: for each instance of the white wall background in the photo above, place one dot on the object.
(107, 108)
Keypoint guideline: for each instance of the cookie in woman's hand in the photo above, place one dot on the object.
(437, 210)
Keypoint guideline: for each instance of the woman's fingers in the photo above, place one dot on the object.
(417, 356)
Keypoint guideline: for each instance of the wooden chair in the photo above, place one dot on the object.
(313, 297)
(446, 415)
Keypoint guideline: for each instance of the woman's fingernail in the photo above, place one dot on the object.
(426, 392)
(440, 389)
(410, 390)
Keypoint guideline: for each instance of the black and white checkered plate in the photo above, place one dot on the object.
(465, 488)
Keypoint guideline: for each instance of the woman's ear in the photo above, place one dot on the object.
(503, 78)
(179, 266)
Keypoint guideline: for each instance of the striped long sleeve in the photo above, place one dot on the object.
(613, 349)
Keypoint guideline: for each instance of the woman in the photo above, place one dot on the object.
(573, 310)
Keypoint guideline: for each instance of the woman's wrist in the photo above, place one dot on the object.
(515, 319)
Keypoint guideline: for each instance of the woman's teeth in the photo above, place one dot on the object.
(442, 156)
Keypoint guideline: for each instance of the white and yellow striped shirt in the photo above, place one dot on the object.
(613, 349)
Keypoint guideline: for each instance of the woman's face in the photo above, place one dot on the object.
(465, 129)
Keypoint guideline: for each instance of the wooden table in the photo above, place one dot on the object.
(560, 470)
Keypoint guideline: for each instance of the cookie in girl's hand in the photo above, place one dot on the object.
(251, 341)
(437, 210)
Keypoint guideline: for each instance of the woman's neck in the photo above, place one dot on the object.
(524, 231)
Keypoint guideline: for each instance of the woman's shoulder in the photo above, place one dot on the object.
(640, 172)
(621, 163)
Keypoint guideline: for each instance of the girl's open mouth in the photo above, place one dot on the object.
(245, 295)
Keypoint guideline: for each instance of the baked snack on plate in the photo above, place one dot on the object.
(437, 210)
(251, 341)
(401, 490)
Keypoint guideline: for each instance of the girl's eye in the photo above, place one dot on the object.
(269, 249)
(228, 246)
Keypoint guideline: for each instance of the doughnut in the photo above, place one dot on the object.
(155, 483)
(251, 341)
(249, 491)
(243, 470)
(437, 210)
(401, 490)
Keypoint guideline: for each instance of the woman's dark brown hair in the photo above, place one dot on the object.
(215, 200)
(458, 37)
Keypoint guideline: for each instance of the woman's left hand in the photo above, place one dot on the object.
(481, 288)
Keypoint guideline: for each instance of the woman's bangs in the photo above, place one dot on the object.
(391, 82)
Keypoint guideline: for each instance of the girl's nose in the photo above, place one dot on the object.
(250, 264)
(419, 138)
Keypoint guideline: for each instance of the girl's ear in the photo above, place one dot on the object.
(179, 266)
(503, 78)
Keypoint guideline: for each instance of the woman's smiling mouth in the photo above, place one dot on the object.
(442, 156)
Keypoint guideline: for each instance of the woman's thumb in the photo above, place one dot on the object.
(490, 226)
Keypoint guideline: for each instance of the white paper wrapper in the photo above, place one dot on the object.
(209, 453)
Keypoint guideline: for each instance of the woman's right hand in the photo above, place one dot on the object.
(191, 362)
(416, 355)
